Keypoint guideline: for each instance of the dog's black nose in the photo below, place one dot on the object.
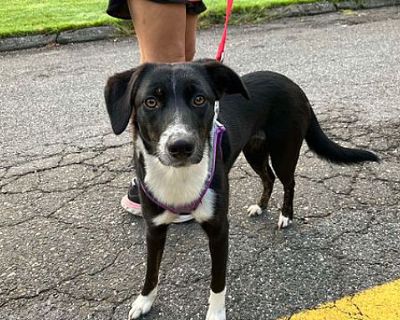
(181, 148)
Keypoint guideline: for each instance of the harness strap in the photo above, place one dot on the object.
(221, 48)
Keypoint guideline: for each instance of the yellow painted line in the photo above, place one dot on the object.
(379, 303)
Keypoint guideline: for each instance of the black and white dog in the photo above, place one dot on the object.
(182, 163)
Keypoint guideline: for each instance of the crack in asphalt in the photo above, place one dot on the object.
(359, 315)
(98, 161)
(59, 283)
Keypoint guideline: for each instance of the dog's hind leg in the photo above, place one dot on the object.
(155, 240)
(284, 157)
(257, 154)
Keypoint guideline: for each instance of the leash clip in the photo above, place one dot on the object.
(222, 57)
(216, 112)
(216, 107)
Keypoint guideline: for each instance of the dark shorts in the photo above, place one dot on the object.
(120, 9)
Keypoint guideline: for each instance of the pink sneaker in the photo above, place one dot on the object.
(130, 206)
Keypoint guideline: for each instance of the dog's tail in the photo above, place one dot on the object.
(319, 143)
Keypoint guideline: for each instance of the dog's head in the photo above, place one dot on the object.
(172, 106)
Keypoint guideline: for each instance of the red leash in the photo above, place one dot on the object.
(221, 47)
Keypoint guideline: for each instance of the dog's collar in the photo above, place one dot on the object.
(216, 137)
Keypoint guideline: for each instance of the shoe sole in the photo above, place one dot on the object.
(136, 210)
(132, 207)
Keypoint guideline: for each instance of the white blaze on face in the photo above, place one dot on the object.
(175, 186)
(174, 131)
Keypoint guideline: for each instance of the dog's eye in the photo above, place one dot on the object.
(151, 103)
(199, 101)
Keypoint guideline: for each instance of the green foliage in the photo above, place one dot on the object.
(20, 17)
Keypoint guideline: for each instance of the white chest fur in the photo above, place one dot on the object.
(178, 186)
(203, 212)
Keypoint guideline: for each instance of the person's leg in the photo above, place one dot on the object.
(166, 33)
(160, 29)
(190, 36)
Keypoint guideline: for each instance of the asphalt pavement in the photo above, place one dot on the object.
(68, 250)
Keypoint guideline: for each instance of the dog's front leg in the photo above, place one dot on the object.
(217, 231)
(155, 240)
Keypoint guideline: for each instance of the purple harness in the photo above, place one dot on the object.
(216, 135)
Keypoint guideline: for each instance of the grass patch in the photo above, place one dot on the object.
(244, 11)
(21, 17)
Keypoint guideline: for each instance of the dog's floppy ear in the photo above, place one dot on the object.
(118, 94)
(224, 79)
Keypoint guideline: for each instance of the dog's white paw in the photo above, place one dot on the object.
(216, 309)
(254, 210)
(283, 221)
(142, 305)
(216, 314)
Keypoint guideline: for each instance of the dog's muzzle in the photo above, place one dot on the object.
(180, 149)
